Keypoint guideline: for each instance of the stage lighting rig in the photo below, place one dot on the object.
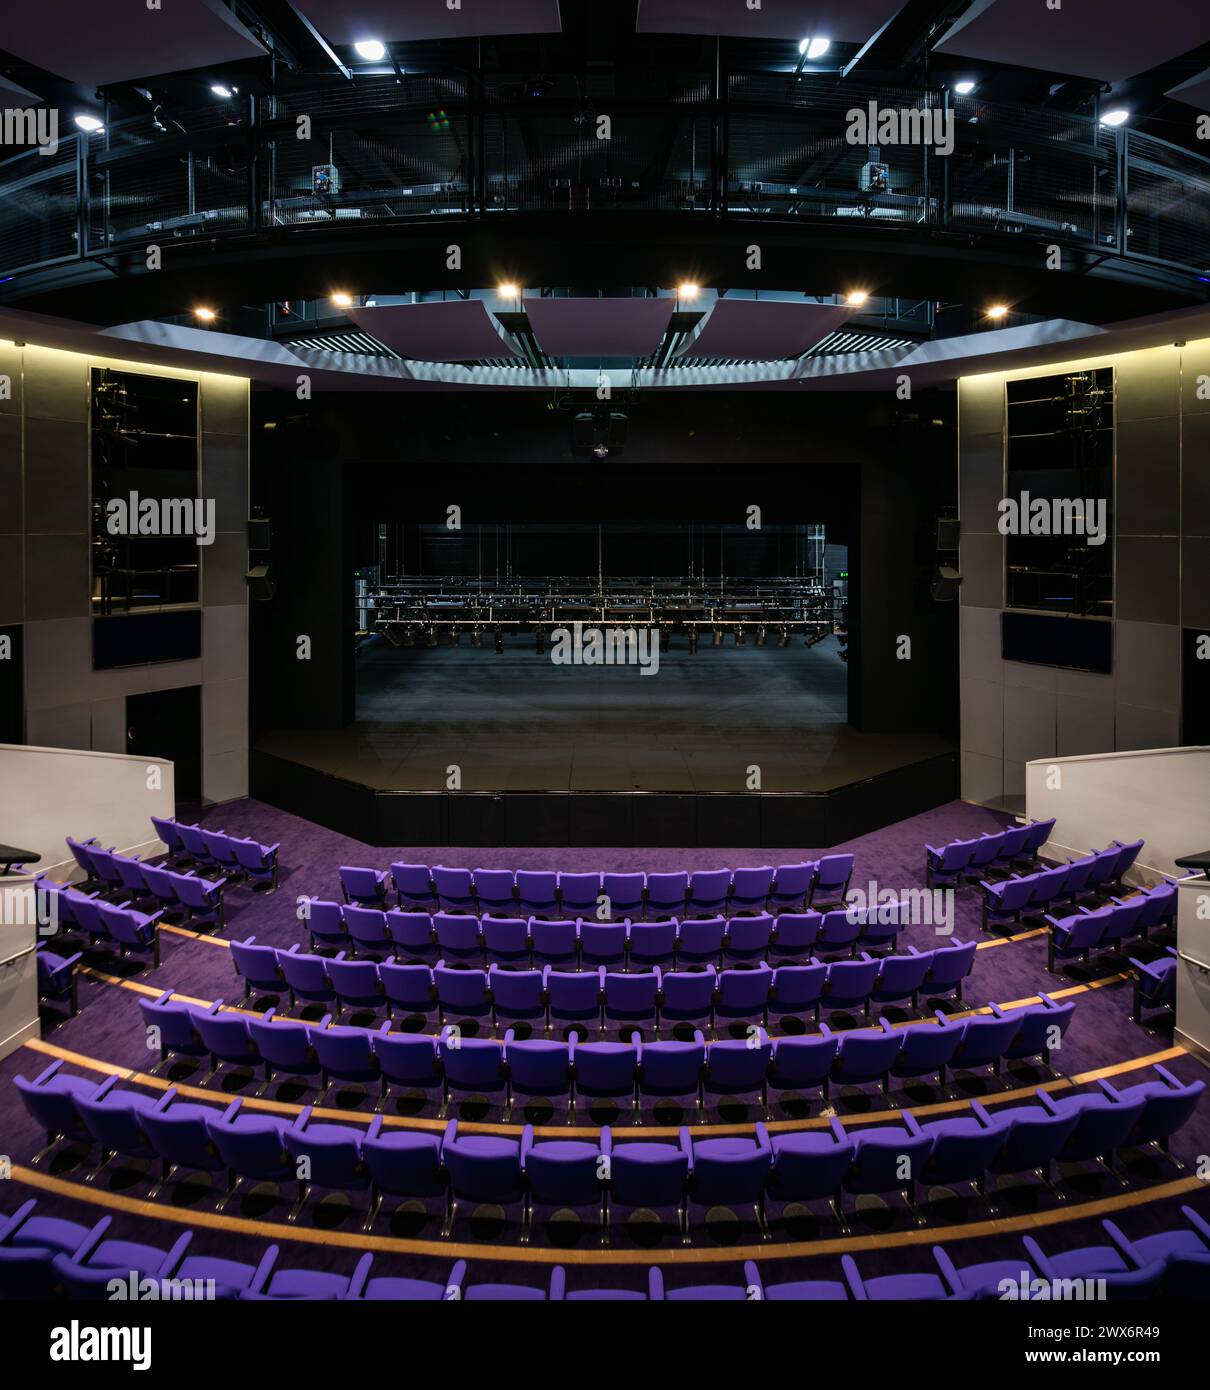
(476, 636)
(499, 636)
(693, 641)
(783, 637)
(454, 635)
(740, 637)
(717, 640)
(762, 634)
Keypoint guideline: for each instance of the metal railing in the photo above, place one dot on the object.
(768, 144)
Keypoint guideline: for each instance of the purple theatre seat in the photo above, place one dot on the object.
(222, 852)
(408, 989)
(537, 1067)
(225, 1036)
(631, 999)
(1043, 1027)
(50, 1099)
(750, 888)
(708, 891)
(483, 1169)
(1102, 1125)
(257, 862)
(651, 1174)
(169, 832)
(364, 887)
(985, 1040)
(87, 1272)
(28, 1245)
(345, 1054)
(312, 1284)
(984, 1279)
(889, 1158)
(949, 967)
(537, 893)
(357, 984)
(700, 942)
(744, 993)
(652, 943)
(601, 943)
(865, 1055)
(401, 1163)
(851, 982)
(733, 1172)
(568, 1173)
(795, 935)
(1183, 1253)
(666, 894)
(495, 891)
(792, 885)
(671, 1068)
(796, 1290)
(306, 976)
(1127, 854)
(325, 923)
(831, 881)
(131, 873)
(1154, 984)
(840, 928)
(578, 894)
(963, 1147)
(1035, 1139)
(1012, 845)
(574, 996)
(944, 865)
(408, 1061)
(367, 928)
(735, 1068)
(925, 1049)
(687, 996)
(518, 996)
(250, 1146)
(462, 993)
(983, 855)
(1004, 902)
(1168, 1103)
(412, 935)
(258, 968)
(810, 1166)
(1037, 834)
(413, 887)
(57, 978)
(606, 1071)
(506, 940)
(458, 936)
(172, 1022)
(625, 894)
(202, 898)
(901, 977)
(232, 1279)
(1122, 921)
(802, 1064)
(81, 851)
(747, 938)
(329, 1153)
(455, 889)
(284, 1046)
(471, 1066)
(923, 1286)
(554, 943)
(1074, 936)
(132, 931)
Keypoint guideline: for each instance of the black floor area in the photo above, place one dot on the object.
(517, 722)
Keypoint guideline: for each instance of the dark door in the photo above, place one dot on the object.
(168, 724)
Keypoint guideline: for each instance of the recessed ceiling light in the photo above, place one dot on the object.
(341, 298)
(371, 49)
(219, 90)
(1118, 116)
(997, 311)
(856, 297)
(90, 124)
(688, 290)
(814, 48)
(204, 314)
(964, 89)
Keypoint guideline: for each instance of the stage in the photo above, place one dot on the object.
(731, 746)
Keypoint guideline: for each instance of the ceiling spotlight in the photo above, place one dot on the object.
(204, 315)
(740, 637)
(964, 89)
(688, 290)
(814, 48)
(856, 298)
(90, 123)
(499, 640)
(408, 639)
(762, 634)
(508, 290)
(693, 641)
(372, 50)
(430, 637)
(998, 311)
(476, 636)
(1118, 116)
(783, 637)
(718, 637)
(220, 91)
(454, 636)
(341, 298)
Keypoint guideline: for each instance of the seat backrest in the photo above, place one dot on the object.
(668, 889)
(602, 943)
(505, 938)
(798, 986)
(653, 941)
(745, 989)
(536, 889)
(709, 887)
(734, 1064)
(792, 881)
(579, 891)
(413, 882)
(554, 943)
(701, 938)
(494, 887)
(752, 885)
(749, 934)
(834, 871)
(456, 932)
(689, 989)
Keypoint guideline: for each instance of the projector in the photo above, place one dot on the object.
(599, 433)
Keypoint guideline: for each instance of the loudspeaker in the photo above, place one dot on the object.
(260, 535)
(947, 533)
(260, 583)
(944, 587)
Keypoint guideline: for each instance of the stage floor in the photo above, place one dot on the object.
(517, 722)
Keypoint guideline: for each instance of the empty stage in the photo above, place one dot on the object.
(562, 751)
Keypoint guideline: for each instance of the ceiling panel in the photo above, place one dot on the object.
(1108, 40)
(452, 330)
(124, 40)
(763, 330)
(599, 327)
(347, 21)
(843, 21)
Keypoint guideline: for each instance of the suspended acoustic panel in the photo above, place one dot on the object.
(842, 21)
(342, 22)
(763, 330)
(452, 330)
(599, 327)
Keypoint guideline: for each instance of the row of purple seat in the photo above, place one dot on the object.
(620, 1069)
(40, 1254)
(959, 860)
(235, 855)
(1105, 928)
(181, 896)
(63, 909)
(788, 1167)
(553, 996)
(541, 893)
(1005, 900)
(585, 943)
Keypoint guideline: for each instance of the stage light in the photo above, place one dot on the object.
(998, 311)
(1118, 116)
(740, 637)
(856, 298)
(718, 637)
(89, 123)
(430, 637)
(539, 640)
(204, 315)
(814, 48)
(341, 298)
(220, 91)
(693, 641)
(783, 637)
(761, 636)
(499, 641)
(455, 636)
(965, 88)
(688, 290)
(508, 290)
(409, 639)
(372, 50)
(476, 636)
